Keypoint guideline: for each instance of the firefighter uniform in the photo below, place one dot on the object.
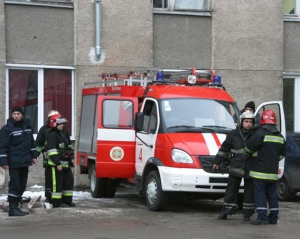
(60, 153)
(233, 147)
(40, 148)
(267, 147)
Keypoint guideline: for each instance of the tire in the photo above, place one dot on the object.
(155, 197)
(283, 191)
(111, 188)
(97, 185)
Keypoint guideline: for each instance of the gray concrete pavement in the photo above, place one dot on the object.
(127, 216)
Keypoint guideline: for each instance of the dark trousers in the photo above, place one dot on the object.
(266, 193)
(17, 183)
(62, 183)
(232, 192)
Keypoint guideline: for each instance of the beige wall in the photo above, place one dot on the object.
(182, 41)
(248, 48)
(39, 35)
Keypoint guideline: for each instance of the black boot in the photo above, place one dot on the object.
(14, 210)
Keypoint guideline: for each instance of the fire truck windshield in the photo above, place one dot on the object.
(188, 113)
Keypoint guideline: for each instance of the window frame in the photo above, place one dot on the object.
(296, 15)
(171, 10)
(40, 70)
(296, 77)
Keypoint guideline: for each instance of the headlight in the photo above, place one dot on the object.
(180, 156)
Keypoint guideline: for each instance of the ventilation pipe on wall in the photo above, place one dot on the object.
(97, 30)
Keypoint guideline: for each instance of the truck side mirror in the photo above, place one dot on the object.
(139, 121)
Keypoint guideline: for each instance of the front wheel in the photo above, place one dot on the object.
(97, 185)
(156, 198)
(283, 191)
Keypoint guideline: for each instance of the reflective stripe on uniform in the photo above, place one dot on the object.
(254, 154)
(266, 176)
(50, 162)
(67, 193)
(274, 139)
(261, 208)
(61, 145)
(53, 180)
(52, 152)
(56, 195)
(222, 154)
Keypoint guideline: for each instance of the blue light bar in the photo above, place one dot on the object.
(217, 80)
(160, 76)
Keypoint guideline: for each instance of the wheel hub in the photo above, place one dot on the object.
(152, 191)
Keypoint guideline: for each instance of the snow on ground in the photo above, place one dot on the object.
(37, 190)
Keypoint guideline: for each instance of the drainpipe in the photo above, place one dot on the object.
(97, 29)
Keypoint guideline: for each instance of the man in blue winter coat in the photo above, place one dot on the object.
(17, 153)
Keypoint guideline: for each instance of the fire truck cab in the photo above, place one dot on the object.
(159, 130)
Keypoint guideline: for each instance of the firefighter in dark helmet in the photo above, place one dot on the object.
(61, 159)
(233, 147)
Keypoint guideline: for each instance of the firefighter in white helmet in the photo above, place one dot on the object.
(61, 159)
(233, 149)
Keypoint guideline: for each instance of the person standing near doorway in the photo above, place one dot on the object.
(17, 153)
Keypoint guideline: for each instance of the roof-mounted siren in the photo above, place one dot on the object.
(160, 77)
(192, 79)
(217, 80)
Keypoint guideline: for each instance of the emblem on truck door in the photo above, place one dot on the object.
(116, 153)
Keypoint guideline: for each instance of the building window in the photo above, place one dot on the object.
(38, 91)
(182, 5)
(291, 102)
(290, 7)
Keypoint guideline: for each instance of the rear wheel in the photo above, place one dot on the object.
(97, 185)
(283, 191)
(156, 198)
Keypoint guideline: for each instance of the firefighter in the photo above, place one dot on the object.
(17, 153)
(268, 148)
(61, 159)
(40, 148)
(233, 147)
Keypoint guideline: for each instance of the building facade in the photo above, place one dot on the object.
(49, 49)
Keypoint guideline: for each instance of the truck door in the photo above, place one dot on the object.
(145, 142)
(277, 107)
(116, 137)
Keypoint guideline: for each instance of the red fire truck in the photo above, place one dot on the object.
(159, 130)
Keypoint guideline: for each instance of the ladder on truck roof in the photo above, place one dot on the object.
(145, 77)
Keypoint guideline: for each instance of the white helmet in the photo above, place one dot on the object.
(247, 115)
(52, 112)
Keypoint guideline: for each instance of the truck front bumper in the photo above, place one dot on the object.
(193, 180)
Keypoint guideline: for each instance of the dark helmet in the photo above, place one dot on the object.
(268, 117)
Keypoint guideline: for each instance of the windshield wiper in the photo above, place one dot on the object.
(216, 126)
(189, 128)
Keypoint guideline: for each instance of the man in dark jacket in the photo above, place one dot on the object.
(17, 153)
(40, 148)
(233, 147)
(267, 148)
(60, 152)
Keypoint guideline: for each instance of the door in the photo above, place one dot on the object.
(277, 108)
(146, 139)
(116, 137)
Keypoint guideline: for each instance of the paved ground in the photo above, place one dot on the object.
(127, 216)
